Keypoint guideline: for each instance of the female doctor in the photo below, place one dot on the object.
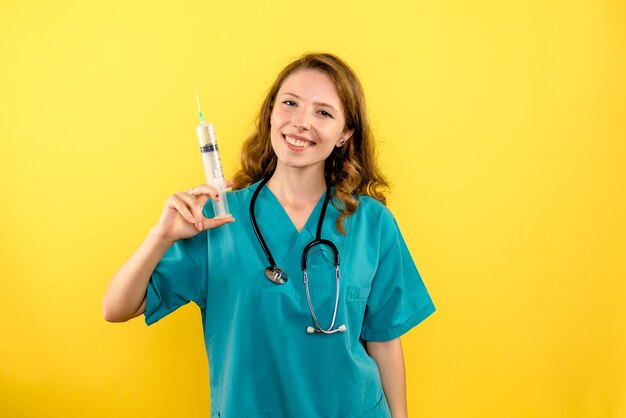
(304, 297)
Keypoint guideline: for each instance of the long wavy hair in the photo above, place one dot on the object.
(351, 168)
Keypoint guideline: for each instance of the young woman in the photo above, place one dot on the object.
(304, 296)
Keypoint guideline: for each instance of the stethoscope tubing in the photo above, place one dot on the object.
(255, 226)
(278, 276)
(318, 327)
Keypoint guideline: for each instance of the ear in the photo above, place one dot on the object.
(344, 138)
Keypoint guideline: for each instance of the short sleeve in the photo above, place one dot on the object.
(179, 277)
(398, 298)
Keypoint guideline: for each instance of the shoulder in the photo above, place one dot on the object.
(241, 198)
(246, 193)
(369, 203)
(379, 223)
(371, 218)
(373, 210)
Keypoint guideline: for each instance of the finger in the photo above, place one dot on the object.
(202, 199)
(205, 189)
(176, 203)
(228, 183)
(195, 204)
(211, 223)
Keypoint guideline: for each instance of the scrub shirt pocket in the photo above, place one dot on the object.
(356, 301)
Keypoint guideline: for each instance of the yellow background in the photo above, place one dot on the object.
(501, 126)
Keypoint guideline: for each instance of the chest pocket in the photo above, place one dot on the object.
(356, 294)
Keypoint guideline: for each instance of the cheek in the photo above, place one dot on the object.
(275, 126)
(277, 119)
(333, 133)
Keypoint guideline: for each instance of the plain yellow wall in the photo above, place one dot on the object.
(500, 124)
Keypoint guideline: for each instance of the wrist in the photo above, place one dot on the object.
(159, 237)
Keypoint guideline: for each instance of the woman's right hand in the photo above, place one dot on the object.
(182, 215)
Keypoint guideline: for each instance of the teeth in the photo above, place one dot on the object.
(296, 142)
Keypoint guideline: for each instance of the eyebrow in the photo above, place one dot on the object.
(315, 103)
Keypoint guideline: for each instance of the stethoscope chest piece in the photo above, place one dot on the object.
(276, 275)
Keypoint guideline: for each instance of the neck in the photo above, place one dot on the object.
(297, 185)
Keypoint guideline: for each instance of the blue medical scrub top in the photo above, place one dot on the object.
(262, 362)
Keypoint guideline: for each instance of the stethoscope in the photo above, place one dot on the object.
(278, 276)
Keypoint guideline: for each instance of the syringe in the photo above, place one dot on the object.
(212, 164)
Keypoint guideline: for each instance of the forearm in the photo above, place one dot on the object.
(390, 360)
(125, 295)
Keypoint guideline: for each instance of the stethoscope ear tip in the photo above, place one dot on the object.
(342, 328)
(310, 329)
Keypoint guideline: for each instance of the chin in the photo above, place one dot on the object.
(300, 164)
(294, 164)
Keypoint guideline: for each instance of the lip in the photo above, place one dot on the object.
(301, 138)
(298, 137)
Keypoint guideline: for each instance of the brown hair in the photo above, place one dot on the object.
(352, 168)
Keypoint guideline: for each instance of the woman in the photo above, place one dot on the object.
(320, 338)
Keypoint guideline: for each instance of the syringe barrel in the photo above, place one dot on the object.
(213, 166)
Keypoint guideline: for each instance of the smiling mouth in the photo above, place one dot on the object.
(297, 143)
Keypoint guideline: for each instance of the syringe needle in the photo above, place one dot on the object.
(199, 111)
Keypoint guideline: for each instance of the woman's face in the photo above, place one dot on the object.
(307, 120)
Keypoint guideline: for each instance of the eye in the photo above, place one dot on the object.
(326, 114)
(289, 102)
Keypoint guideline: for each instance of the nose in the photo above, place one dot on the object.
(302, 119)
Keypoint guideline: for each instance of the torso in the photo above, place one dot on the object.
(246, 314)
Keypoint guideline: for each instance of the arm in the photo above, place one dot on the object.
(390, 360)
(125, 297)
(181, 218)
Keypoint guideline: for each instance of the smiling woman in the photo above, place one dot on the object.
(304, 122)
(351, 165)
(309, 202)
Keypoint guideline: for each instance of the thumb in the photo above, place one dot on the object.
(210, 223)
